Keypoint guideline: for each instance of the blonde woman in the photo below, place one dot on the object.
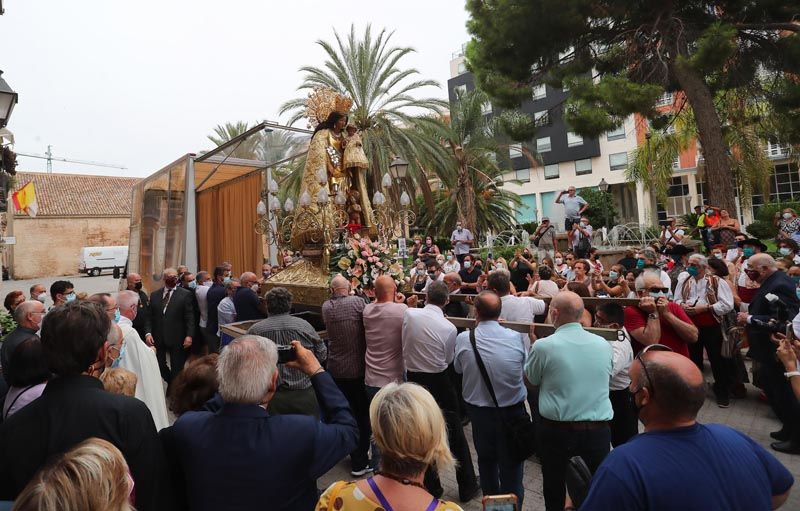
(410, 432)
(91, 476)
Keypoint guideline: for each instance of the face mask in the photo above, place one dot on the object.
(137, 286)
(613, 275)
(718, 255)
(796, 279)
(449, 258)
(640, 263)
(42, 297)
(207, 283)
(787, 216)
(70, 297)
(254, 287)
(797, 291)
(710, 212)
(559, 261)
(584, 224)
(753, 275)
(500, 267)
(117, 315)
(459, 228)
(117, 361)
(784, 251)
(748, 252)
(658, 295)
(467, 264)
(171, 281)
(420, 272)
(226, 280)
(265, 274)
(192, 285)
(691, 270)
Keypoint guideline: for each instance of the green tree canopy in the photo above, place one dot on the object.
(619, 56)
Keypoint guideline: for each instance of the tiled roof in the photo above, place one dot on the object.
(79, 195)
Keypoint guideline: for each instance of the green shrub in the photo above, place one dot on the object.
(762, 229)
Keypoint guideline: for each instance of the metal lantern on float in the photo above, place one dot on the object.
(8, 99)
(386, 182)
(398, 168)
(288, 206)
(261, 208)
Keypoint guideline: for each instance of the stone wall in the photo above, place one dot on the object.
(51, 246)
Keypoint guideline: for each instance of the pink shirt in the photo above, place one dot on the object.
(383, 328)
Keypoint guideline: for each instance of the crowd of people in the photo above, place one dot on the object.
(134, 400)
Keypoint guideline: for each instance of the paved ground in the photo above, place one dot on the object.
(748, 415)
(102, 284)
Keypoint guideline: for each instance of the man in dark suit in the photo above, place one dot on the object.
(172, 321)
(267, 461)
(248, 304)
(142, 321)
(74, 407)
(215, 295)
(762, 269)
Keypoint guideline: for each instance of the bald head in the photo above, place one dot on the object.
(247, 279)
(676, 390)
(340, 285)
(133, 279)
(566, 307)
(385, 288)
(29, 314)
(488, 306)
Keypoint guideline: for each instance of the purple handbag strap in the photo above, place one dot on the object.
(385, 504)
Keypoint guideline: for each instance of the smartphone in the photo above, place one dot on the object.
(500, 503)
(286, 354)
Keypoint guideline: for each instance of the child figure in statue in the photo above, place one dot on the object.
(354, 157)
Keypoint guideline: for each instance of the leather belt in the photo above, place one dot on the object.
(575, 425)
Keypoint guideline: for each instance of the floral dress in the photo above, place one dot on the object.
(790, 228)
(348, 497)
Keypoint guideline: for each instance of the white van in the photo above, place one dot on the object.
(96, 259)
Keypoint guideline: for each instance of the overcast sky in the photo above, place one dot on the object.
(141, 83)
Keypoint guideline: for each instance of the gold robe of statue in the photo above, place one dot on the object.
(325, 151)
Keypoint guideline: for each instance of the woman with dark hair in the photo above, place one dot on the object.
(27, 375)
(13, 299)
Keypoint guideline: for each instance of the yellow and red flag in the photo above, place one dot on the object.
(25, 199)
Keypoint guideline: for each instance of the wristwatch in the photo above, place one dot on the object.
(652, 315)
(791, 373)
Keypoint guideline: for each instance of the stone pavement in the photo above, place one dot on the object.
(749, 415)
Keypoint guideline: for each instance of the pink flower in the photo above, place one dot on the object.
(379, 264)
(364, 253)
(360, 262)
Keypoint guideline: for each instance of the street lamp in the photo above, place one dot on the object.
(8, 98)
(398, 168)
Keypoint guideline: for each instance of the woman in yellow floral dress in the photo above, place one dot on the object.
(410, 433)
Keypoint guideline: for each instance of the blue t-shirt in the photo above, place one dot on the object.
(701, 467)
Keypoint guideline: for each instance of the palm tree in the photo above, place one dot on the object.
(246, 149)
(472, 171)
(386, 108)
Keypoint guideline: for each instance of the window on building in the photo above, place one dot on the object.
(676, 163)
(523, 175)
(486, 108)
(539, 91)
(573, 139)
(462, 67)
(543, 144)
(514, 151)
(618, 161)
(665, 99)
(775, 150)
(678, 187)
(583, 167)
(617, 133)
(551, 171)
(784, 185)
(541, 118)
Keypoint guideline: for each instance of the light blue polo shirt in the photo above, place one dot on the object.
(572, 369)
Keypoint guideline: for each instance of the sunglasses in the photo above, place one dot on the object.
(651, 347)
(658, 290)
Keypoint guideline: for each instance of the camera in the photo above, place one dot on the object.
(286, 354)
(780, 322)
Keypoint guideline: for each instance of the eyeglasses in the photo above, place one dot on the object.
(658, 289)
(651, 347)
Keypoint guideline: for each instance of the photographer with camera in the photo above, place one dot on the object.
(670, 234)
(776, 299)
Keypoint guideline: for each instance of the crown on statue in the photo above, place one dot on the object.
(322, 102)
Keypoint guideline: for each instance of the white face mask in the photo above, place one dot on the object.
(208, 283)
(254, 287)
(42, 297)
(787, 216)
(559, 260)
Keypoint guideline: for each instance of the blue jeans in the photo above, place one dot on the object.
(499, 473)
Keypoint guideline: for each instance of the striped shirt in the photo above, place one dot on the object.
(343, 317)
(282, 329)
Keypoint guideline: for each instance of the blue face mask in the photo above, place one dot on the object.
(691, 270)
(117, 315)
(748, 251)
(226, 280)
(613, 275)
(192, 284)
(798, 292)
(640, 263)
(116, 362)
(658, 295)
(796, 279)
(70, 297)
(784, 251)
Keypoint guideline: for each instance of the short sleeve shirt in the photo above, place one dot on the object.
(457, 238)
(635, 318)
(572, 205)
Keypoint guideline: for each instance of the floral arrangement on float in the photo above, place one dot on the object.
(365, 260)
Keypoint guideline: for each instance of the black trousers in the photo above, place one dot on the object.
(625, 424)
(440, 386)
(780, 396)
(557, 445)
(177, 359)
(355, 392)
(568, 222)
(710, 338)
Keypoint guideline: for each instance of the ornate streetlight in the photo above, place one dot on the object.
(8, 98)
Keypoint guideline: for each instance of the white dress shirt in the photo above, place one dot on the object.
(697, 294)
(428, 282)
(141, 360)
(622, 358)
(429, 340)
(226, 312)
(521, 309)
(201, 293)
